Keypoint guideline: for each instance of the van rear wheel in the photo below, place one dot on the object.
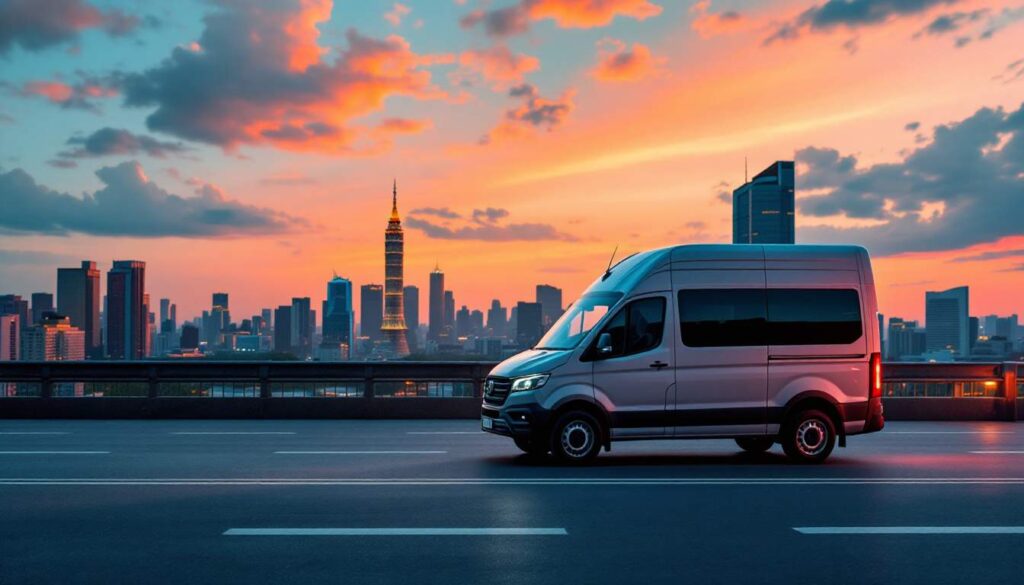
(576, 437)
(755, 444)
(809, 436)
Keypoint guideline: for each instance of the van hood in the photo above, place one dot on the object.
(531, 361)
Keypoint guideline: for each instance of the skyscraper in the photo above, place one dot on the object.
(436, 310)
(393, 327)
(371, 310)
(302, 327)
(41, 303)
(53, 339)
(15, 305)
(946, 321)
(337, 313)
(78, 297)
(763, 209)
(550, 300)
(463, 326)
(127, 316)
(282, 328)
(529, 323)
(411, 305)
(497, 318)
(220, 299)
(10, 338)
(449, 310)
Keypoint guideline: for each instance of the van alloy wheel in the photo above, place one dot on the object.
(809, 436)
(576, 437)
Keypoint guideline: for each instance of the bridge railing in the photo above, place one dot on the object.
(200, 389)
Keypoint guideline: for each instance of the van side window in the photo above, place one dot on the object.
(636, 328)
(813, 317)
(645, 322)
(722, 317)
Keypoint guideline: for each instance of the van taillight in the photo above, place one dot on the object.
(875, 388)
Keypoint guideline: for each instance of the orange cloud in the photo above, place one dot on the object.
(709, 24)
(263, 78)
(404, 125)
(397, 12)
(498, 65)
(590, 13)
(619, 63)
(79, 95)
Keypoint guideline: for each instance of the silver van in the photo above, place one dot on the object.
(763, 344)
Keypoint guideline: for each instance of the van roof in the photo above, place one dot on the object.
(632, 269)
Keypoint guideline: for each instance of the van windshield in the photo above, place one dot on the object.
(578, 320)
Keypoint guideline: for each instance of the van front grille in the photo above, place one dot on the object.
(496, 390)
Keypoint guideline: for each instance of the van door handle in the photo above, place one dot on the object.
(659, 365)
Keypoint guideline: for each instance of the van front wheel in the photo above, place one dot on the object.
(809, 437)
(576, 437)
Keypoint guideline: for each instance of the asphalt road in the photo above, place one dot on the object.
(439, 502)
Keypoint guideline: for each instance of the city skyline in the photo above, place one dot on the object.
(532, 150)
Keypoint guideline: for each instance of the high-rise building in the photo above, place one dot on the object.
(10, 338)
(497, 319)
(302, 326)
(476, 322)
(189, 337)
(53, 339)
(973, 326)
(165, 309)
(946, 321)
(462, 323)
(283, 328)
(763, 209)
(268, 318)
(411, 306)
(449, 310)
(42, 303)
(78, 298)
(337, 314)
(904, 340)
(393, 327)
(1007, 327)
(220, 299)
(529, 323)
(550, 300)
(15, 305)
(127, 316)
(371, 310)
(436, 310)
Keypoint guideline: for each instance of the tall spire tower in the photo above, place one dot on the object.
(393, 328)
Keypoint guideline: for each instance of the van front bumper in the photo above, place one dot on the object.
(519, 421)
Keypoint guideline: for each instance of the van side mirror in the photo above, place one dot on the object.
(604, 344)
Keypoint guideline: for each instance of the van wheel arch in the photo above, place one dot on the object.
(591, 408)
(817, 401)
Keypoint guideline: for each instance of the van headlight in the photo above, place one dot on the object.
(531, 382)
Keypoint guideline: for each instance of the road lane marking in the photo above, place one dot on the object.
(396, 532)
(829, 530)
(513, 481)
(997, 452)
(949, 432)
(34, 433)
(54, 452)
(360, 452)
(233, 432)
(443, 432)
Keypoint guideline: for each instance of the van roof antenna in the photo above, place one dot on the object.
(608, 271)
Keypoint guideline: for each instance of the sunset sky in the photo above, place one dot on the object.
(250, 146)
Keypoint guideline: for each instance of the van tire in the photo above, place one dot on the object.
(809, 436)
(755, 444)
(576, 437)
(531, 447)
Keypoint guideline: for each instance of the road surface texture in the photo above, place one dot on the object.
(439, 502)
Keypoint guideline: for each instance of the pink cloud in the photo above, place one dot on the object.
(619, 63)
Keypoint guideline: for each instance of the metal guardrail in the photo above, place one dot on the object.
(936, 391)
